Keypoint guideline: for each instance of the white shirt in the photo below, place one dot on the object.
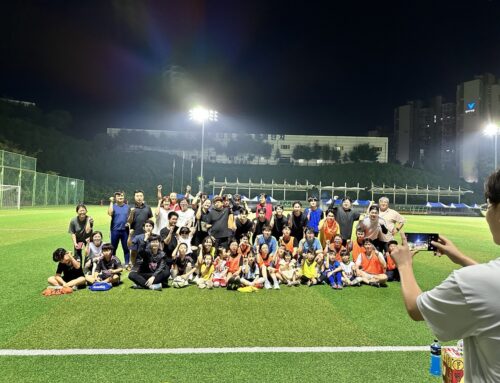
(391, 218)
(347, 268)
(185, 218)
(466, 305)
(161, 220)
(372, 228)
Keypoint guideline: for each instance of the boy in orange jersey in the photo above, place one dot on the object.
(371, 266)
(392, 271)
(356, 247)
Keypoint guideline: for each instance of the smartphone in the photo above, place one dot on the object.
(421, 241)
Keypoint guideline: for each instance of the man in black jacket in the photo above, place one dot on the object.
(150, 269)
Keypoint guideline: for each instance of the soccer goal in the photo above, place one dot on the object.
(10, 196)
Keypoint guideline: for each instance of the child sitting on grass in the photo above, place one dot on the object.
(287, 269)
(333, 271)
(250, 272)
(92, 251)
(220, 269)
(234, 262)
(349, 277)
(69, 271)
(206, 273)
(309, 269)
(267, 270)
(107, 267)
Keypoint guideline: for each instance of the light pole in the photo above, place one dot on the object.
(493, 130)
(201, 115)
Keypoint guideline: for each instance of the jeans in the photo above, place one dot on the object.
(140, 278)
(117, 236)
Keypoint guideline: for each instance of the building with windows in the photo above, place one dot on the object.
(478, 103)
(224, 147)
(425, 134)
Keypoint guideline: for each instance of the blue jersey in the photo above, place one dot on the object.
(314, 218)
(120, 216)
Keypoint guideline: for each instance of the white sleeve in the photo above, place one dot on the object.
(446, 311)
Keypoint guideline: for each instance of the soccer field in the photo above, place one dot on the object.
(124, 318)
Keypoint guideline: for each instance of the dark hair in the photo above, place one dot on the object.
(312, 199)
(183, 199)
(297, 202)
(261, 210)
(150, 221)
(244, 211)
(172, 213)
(267, 227)
(236, 197)
(309, 230)
(94, 233)
(374, 207)
(107, 246)
(263, 195)
(359, 229)
(232, 239)
(119, 193)
(337, 235)
(246, 236)
(285, 226)
(58, 254)
(79, 206)
(347, 199)
(217, 198)
(367, 240)
(154, 237)
(393, 242)
(139, 191)
(492, 188)
(330, 211)
(184, 230)
(279, 206)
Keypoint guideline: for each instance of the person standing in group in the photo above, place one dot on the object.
(345, 217)
(297, 221)
(314, 215)
(393, 220)
(80, 228)
(374, 227)
(218, 222)
(328, 228)
(139, 214)
(462, 306)
(263, 203)
(119, 211)
(278, 221)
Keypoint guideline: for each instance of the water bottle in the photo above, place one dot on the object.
(435, 368)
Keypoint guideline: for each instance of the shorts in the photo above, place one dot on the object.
(134, 246)
(288, 274)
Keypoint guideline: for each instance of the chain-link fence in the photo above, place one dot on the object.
(38, 189)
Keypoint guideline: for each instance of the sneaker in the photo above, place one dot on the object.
(276, 286)
(340, 287)
(334, 286)
(375, 284)
(267, 285)
(155, 286)
(137, 287)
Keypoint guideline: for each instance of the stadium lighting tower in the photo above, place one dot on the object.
(201, 115)
(493, 130)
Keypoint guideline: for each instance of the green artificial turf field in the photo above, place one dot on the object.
(125, 318)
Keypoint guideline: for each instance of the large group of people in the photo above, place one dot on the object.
(210, 243)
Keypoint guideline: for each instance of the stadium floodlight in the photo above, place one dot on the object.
(493, 130)
(202, 115)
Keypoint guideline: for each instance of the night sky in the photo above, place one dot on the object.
(293, 67)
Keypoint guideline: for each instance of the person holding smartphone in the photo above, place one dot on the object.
(463, 306)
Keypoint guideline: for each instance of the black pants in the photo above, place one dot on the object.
(141, 278)
(380, 245)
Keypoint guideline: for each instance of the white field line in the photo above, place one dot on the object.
(222, 350)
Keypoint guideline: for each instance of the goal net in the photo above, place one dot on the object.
(10, 196)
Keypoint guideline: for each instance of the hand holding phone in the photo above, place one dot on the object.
(421, 241)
